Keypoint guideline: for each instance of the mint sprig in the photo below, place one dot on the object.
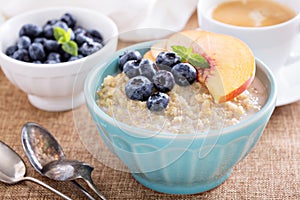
(63, 37)
(187, 55)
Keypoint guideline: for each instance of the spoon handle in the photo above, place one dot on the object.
(46, 186)
(82, 190)
(91, 184)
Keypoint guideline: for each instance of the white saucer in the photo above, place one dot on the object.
(288, 80)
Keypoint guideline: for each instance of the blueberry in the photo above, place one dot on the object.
(22, 55)
(81, 38)
(30, 30)
(79, 29)
(11, 50)
(184, 74)
(166, 60)
(37, 62)
(139, 88)
(24, 42)
(36, 52)
(48, 31)
(164, 80)
(39, 40)
(64, 56)
(97, 37)
(89, 48)
(147, 68)
(51, 45)
(158, 102)
(130, 55)
(72, 58)
(69, 19)
(50, 62)
(54, 56)
(61, 24)
(131, 68)
(51, 22)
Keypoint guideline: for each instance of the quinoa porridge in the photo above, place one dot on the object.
(191, 109)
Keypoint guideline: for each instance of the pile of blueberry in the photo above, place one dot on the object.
(150, 82)
(38, 45)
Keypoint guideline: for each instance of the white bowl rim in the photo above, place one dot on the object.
(271, 100)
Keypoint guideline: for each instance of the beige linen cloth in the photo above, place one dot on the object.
(137, 20)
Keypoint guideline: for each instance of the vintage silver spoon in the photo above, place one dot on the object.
(62, 170)
(13, 169)
(42, 148)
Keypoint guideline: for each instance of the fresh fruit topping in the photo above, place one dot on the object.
(139, 88)
(50, 45)
(194, 59)
(184, 38)
(232, 65)
(22, 55)
(126, 56)
(131, 68)
(82, 37)
(89, 48)
(147, 68)
(69, 19)
(23, 42)
(148, 55)
(224, 64)
(166, 60)
(164, 81)
(184, 74)
(55, 36)
(158, 47)
(54, 57)
(36, 51)
(72, 58)
(30, 30)
(95, 35)
(157, 102)
(11, 49)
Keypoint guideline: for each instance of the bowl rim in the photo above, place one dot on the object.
(91, 103)
(103, 17)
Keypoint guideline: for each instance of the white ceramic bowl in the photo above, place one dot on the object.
(55, 87)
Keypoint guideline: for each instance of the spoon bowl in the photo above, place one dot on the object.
(63, 170)
(42, 148)
(13, 169)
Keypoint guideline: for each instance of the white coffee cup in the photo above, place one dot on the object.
(272, 44)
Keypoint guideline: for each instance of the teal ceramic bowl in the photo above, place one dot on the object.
(178, 163)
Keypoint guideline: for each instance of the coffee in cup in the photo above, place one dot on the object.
(252, 13)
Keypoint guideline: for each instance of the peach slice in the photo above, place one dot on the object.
(158, 47)
(184, 38)
(232, 64)
(149, 55)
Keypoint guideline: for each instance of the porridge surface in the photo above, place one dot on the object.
(191, 109)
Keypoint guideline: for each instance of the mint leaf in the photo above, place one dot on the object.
(198, 61)
(187, 55)
(70, 47)
(63, 37)
(181, 51)
(189, 51)
(58, 33)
